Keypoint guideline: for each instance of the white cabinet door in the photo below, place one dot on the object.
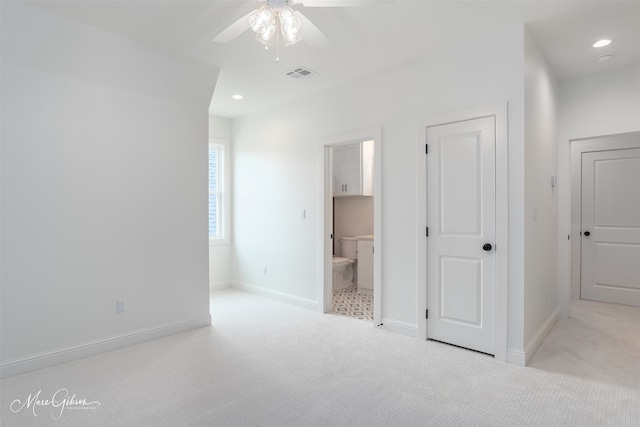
(339, 170)
(353, 169)
(346, 170)
(365, 264)
(611, 226)
(461, 218)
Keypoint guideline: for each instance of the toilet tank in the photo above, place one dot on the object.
(349, 247)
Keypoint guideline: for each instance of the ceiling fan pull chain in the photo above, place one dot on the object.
(278, 43)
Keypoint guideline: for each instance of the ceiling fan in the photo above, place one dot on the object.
(276, 18)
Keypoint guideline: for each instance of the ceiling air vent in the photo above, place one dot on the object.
(301, 73)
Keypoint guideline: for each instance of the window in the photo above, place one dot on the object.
(216, 165)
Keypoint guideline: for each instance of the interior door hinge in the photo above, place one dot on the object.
(427, 231)
(426, 148)
(427, 314)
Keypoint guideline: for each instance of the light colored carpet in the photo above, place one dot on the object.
(265, 363)
(599, 341)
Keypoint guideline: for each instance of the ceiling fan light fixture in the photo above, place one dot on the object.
(286, 13)
(266, 36)
(267, 20)
(261, 19)
(290, 26)
(292, 38)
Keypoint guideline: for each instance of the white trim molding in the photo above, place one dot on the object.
(536, 340)
(90, 348)
(220, 286)
(276, 295)
(522, 357)
(399, 327)
(500, 112)
(516, 357)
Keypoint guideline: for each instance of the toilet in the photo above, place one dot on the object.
(343, 267)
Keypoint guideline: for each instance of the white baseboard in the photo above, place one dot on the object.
(516, 357)
(219, 286)
(280, 296)
(542, 333)
(522, 357)
(400, 327)
(90, 348)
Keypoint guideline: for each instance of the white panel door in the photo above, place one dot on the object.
(610, 265)
(460, 247)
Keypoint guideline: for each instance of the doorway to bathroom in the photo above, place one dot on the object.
(350, 256)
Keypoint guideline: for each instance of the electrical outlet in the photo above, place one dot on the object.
(120, 306)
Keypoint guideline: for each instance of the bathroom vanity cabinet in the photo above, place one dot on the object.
(353, 169)
(365, 264)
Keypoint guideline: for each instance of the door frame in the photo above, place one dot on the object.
(620, 141)
(500, 112)
(325, 249)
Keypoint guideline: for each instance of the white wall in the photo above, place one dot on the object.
(219, 127)
(104, 175)
(278, 170)
(604, 104)
(541, 200)
(220, 252)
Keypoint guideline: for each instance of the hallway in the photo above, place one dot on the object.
(599, 341)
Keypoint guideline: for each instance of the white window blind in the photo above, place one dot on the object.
(216, 164)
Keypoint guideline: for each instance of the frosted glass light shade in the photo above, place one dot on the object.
(290, 25)
(261, 18)
(266, 36)
(267, 20)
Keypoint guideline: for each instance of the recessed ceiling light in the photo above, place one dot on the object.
(602, 43)
(238, 96)
(605, 57)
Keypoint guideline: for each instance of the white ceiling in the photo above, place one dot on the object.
(364, 40)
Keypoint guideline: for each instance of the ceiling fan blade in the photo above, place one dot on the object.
(233, 30)
(311, 34)
(342, 3)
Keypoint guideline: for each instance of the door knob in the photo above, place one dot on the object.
(487, 247)
(586, 233)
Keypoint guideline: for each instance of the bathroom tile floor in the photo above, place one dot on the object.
(350, 302)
